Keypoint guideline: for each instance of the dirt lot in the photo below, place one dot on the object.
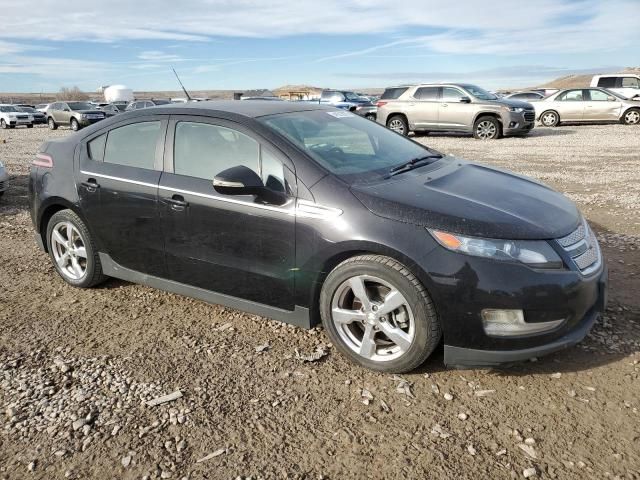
(76, 365)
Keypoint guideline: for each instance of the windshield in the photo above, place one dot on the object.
(8, 109)
(27, 109)
(352, 96)
(80, 106)
(353, 148)
(161, 102)
(480, 93)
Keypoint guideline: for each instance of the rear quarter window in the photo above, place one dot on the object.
(96, 146)
(393, 93)
(607, 82)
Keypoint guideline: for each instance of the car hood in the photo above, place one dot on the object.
(512, 103)
(88, 111)
(471, 199)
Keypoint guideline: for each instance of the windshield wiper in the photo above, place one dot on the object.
(411, 164)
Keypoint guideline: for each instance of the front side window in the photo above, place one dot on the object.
(450, 94)
(133, 145)
(202, 150)
(630, 82)
(355, 149)
(598, 96)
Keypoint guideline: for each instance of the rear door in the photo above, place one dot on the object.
(118, 188)
(454, 114)
(600, 106)
(424, 111)
(234, 245)
(571, 105)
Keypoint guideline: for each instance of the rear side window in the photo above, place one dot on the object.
(607, 82)
(96, 148)
(202, 150)
(393, 93)
(426, 93)
(133, 145)
(571, 96)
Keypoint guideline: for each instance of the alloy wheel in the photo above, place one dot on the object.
(373, 318)
(632, 117)
(549, 119)
(486, 130)
(397, 126)
(69, 250)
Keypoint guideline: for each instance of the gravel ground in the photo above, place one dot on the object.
(77, 367)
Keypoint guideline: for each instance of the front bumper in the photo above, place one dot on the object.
(4, 181)
(85, 122)
(518, 123)
(465, 285)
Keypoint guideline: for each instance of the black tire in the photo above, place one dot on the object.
(370, 116)
(631, 117)
(3, 124)
(1, 194)
(52, 124)
(30, 126)
(398, 123)
(550, 118)
(93, 268)
(75, 126)
(487, 128)
(427, 328)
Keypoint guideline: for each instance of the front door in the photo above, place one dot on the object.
(239, 246)
(117, 185)
(453, 113)
(571, 105)
(600, 105)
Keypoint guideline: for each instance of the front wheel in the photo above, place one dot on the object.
(72, 250)
(487, 128)
(3, 124)
(398, 124)
(52, 124)
(75, 126)
(378, 314)
(30, 125)
(632, 117)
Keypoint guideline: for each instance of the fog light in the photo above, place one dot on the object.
(510, 323)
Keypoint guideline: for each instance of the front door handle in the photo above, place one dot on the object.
(445, 104)
(91, 185)
(177, 202)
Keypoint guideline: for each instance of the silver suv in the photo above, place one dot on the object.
(455, 107)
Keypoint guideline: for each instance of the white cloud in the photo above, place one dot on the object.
(158, 56)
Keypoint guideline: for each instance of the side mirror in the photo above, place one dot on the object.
(611, 98)
(465, 100)
(241, 180)
(67, 109)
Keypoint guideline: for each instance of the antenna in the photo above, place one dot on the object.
(180, 82)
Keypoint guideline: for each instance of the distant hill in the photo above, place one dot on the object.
(577, 81)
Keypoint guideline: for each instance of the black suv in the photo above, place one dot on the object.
(301, 212)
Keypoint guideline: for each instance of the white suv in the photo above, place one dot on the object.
(11, 117)
(626, 84)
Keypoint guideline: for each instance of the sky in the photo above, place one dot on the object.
(245, 44)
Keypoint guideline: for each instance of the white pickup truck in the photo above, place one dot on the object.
(12, 117)
(625, 84)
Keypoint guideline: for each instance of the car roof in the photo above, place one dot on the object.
(246, 108)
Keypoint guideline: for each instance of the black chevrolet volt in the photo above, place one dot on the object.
(306, 214)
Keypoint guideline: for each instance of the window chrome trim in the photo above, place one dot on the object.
(302, 208)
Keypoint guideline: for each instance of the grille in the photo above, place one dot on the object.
(3, 186)
(582, 247)
(529, 116)
(22, 117)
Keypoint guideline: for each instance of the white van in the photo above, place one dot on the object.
(626, 84)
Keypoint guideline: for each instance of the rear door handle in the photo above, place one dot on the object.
(91, 185)
(445, 104)
(177, 202)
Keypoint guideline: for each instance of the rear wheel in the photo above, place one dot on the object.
(631, 117)
(72, 250)
(550, 119)
(398, 123)
(75, 126)
(378, 314)
(487, 128)
(52, 123)
(3, 124)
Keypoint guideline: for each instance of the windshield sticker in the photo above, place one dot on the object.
(340, 114)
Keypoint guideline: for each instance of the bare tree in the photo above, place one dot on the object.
(73, 93)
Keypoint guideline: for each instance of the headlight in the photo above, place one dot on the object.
(84, 115)
(12, 115)
(534, 253)
(515, 109)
